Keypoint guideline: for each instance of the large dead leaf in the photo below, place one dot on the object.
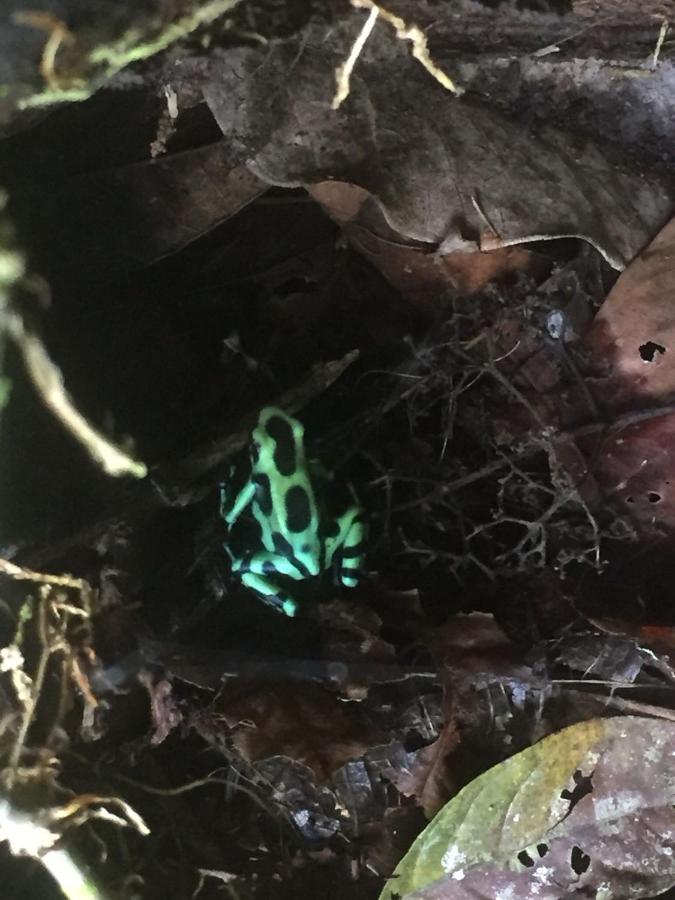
(449, 172)
(299, 721)
(422, 277)
(634, 332)
(587, 810)
(128, 216)
(633, 340)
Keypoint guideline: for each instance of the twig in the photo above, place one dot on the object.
(205, 460)
(58, 35)
(28, 690)
(634, 707)
(624, 420)
(26, 836)
(386, 516)
(343, 73)
(415, 35)
(20, 573)
(659, 43)
(451, 487)
(48, 382)
(30, 702)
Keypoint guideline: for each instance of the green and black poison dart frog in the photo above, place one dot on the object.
(298, 539)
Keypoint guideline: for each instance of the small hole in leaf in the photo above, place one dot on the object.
(542, 849)
(630, 500)
(579, 860)
(653, 497)
(650, 350)
(525, 858)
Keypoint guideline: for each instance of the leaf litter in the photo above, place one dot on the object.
(432, 285)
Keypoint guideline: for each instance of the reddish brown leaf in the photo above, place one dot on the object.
(632, 341)
(634, 332)
(419, 275)
(286, 718)
(426, 776)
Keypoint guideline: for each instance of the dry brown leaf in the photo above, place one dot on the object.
(636, 469)
(285, 718)
(426, 776)
(632, 341)
(448, 172)
(126, 217)
(634, 332)
(418, 274)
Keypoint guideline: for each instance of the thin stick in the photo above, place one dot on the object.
(415, 35)
(343, 73)
(48, 382)
(659, 43)
(35, 691)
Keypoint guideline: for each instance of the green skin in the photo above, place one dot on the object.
(297, 539)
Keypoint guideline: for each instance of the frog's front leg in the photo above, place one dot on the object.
(257, 572)
(346, 546)
(230, 510)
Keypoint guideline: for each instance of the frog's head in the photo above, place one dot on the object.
(277, 443)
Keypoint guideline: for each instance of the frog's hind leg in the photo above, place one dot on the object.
(258, 572)
(347, 550)
(270, 593)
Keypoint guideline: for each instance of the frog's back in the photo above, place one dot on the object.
(286, 509)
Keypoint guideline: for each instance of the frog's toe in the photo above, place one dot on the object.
(350, 571)
(290, 607)
(352, 577)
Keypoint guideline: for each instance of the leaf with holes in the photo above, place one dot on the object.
(634, 331)
(589, 809)
(633, 342)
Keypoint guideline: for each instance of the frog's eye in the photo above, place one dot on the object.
(281, 433)
(254, 450)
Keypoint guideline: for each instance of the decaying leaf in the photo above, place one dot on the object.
(449, 172)
(589, 809)
(422, 277)
(136, 213)
(633, 334)
(423, 774)
(300, 721)
(633, 341)
(606, 657)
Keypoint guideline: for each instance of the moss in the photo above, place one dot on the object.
(105, 60)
